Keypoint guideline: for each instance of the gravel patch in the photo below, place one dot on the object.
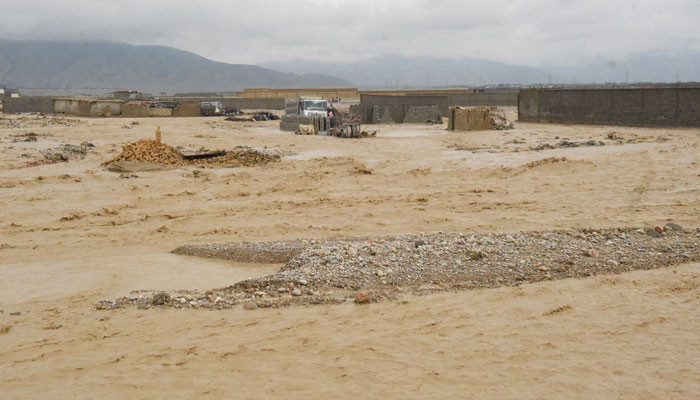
(378, 268)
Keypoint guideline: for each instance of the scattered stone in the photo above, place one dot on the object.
(67, 152)
(327, 272)
(673, 226)
(16, 313)
(659, 229)
(362, 297)
(592, 253)
(250, 306)
(159, 299)
(653, 233)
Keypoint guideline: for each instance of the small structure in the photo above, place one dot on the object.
(477, 119)
(85, 107)
(127, 94)
(5, 92)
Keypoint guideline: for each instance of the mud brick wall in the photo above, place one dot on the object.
(105, 109)
(14, 105)
(509, 98)
(468, 119)
(398, 105)
(655, 107)
(422, 114)
(291, 122)
(72, 107)
(144, 111)
(187, 110)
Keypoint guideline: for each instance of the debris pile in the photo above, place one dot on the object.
(348, 133)
(66, 152)
(38, 120)
(478, 119)
(150, 151)
(377, 268)
(154, 152)
(25, 137)
(240, 156)
(567, 143)
(253, 117)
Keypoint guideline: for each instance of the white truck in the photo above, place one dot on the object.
(307, 107)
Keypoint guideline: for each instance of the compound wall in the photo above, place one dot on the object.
(343, 93)
(398, 105)
(238, 102)
(14, 105)
(88, 107)
(476, 99)
(145, 110)
(664, 106)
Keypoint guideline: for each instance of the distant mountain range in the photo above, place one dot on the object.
(398, 71)
(649, 67)
(61, 65)
(81, 66)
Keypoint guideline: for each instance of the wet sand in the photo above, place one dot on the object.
(67, 242)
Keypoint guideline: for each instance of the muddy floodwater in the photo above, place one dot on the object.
(73, 234)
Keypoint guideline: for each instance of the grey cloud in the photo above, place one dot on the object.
(534, 32)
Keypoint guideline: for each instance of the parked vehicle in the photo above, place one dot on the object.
(307, 106)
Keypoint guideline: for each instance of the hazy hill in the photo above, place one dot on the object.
(59, 65)
(398, 71)
(648, 67)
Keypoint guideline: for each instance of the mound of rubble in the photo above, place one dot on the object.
(377, 268)
(567, 143)
(150, 151)
(155, 152)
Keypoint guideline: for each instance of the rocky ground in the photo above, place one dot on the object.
(378, 268)
(524, 144)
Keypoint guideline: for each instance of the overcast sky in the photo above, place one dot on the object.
(531, 32)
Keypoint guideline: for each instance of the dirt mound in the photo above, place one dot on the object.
(152, 151)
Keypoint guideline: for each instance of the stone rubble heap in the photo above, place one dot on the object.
(378, 268)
